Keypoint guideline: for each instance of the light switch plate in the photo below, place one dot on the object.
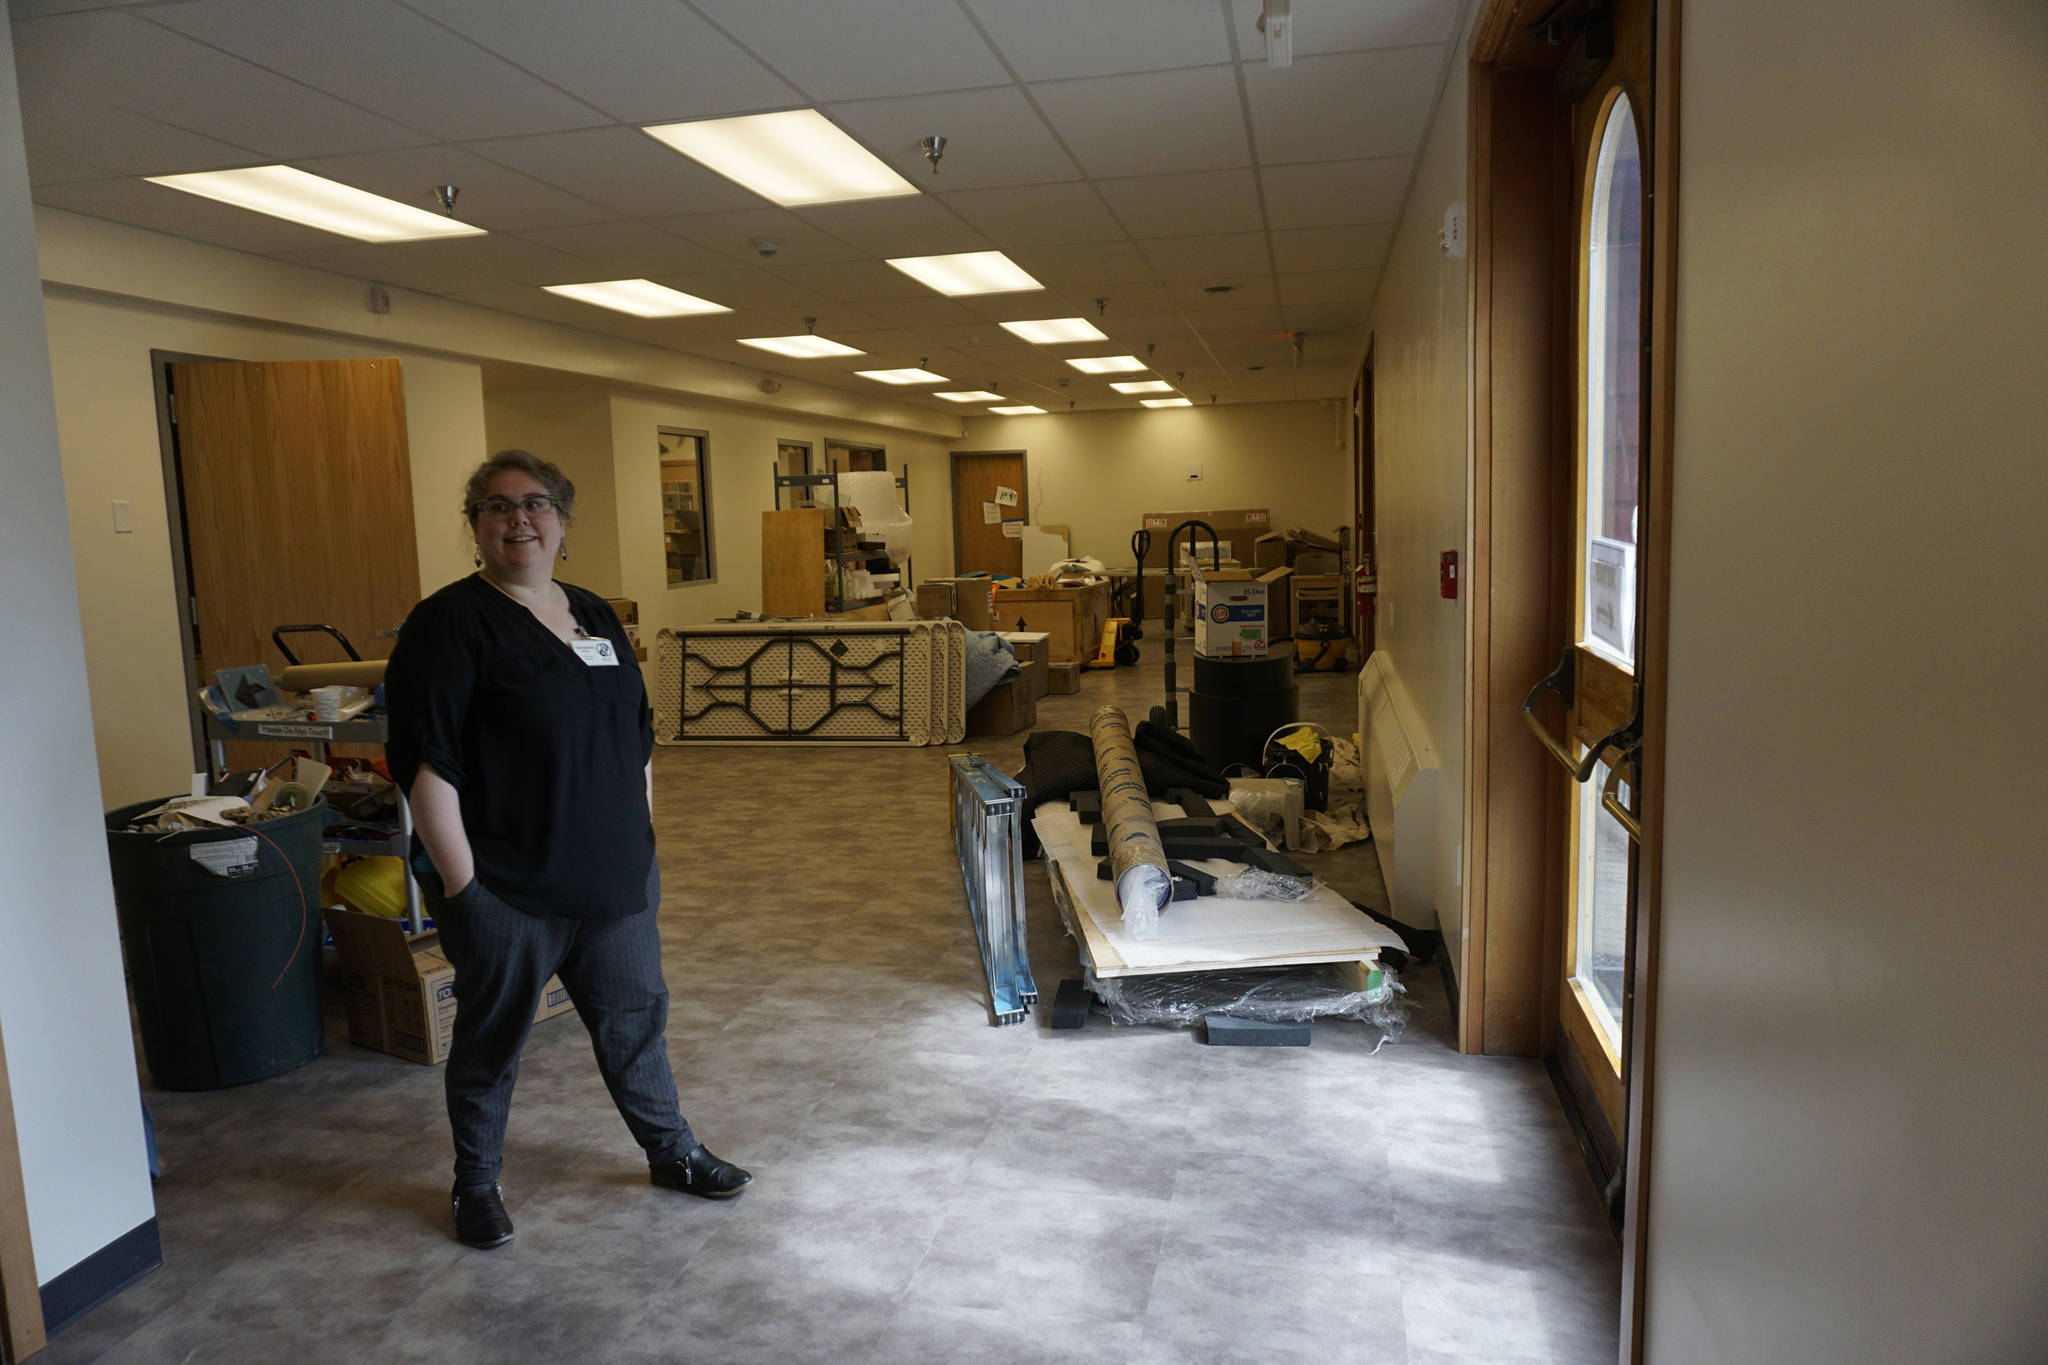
(124, 517)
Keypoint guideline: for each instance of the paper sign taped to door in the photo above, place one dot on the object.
(1013, 530)
(991, 515)
(1006, 497)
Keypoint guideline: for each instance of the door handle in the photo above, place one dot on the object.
(1609, 796)
(1563, 680)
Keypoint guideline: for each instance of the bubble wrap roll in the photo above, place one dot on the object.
(1136, 858)
(873, 493)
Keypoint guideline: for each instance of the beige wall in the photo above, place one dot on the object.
(107, 422)
(742, 445)
(572, 426)
(1420, 431)
(63, 1006)
(1099, 472)
(1848, 1159)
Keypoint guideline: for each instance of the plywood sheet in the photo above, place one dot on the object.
(793, 562)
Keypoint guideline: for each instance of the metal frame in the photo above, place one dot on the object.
(847, 687)
(988, 834)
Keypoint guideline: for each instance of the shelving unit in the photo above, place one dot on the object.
(834, 558)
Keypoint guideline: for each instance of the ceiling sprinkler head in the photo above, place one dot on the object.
(811, 326)
(1101, 307)
(933, 147)
(1298, 339)
(445, 196)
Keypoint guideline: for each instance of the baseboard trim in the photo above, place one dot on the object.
(1443, 966)
(100, 1276)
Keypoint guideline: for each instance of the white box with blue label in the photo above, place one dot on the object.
(1238, 611)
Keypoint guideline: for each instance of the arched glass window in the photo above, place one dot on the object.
(1613, 397)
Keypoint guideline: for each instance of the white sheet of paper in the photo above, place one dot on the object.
(1007, 497)
(1013, 530)
(991, 514)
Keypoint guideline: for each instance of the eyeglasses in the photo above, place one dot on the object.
(497, 509)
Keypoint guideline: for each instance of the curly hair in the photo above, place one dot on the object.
(546, 472)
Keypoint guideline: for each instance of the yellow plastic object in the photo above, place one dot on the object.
(374, 886)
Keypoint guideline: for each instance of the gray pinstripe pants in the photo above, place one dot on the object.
(612, 970)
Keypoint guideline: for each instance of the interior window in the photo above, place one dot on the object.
(685, 505)
(1613, 406)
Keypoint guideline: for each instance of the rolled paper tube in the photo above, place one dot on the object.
(349, 673)
(1137, 860)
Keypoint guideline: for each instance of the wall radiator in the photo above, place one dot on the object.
(1400, 790)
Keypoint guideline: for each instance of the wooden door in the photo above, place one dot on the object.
(296, 486)
(979, 545)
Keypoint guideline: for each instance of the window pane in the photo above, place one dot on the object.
(1613, 398)
(685, 506)
(1597, 960)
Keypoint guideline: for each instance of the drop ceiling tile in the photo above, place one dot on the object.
(993, 137)
(391, 263)
(1358, 104)
(377, 55)
(942, 319)
(1329, 286)
(731, 234)
(1129, 329)
(30, 9)
(747, 288)
(625, 248)
(639, 61)
(854, 281)
(1328, 193)
(507, 257)
(1127, 299)
(1350, 28)
(911, 226)
(881, 341)
(1049, 40)
(59, 123)
(113, 56)
(1175, 205)
(1360, 246)
(620, 169)
(1102, 262)
(1246, 291)
(1151, 124)
(45, 169)
(1329, 317)
(850, 52)
(143, 205)
(1223, 257)
(1238, 327)
(833, 320)
(490, 195)
(1036, 215)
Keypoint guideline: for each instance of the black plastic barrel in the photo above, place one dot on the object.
(1236, 703)
(221, 929)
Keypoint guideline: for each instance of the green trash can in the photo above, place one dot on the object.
(221, 929)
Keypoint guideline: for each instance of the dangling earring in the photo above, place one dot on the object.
(565, 549)
(477, 559)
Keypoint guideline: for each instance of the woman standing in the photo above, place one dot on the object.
(521, 731)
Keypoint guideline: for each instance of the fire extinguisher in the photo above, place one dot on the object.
(1365, 585)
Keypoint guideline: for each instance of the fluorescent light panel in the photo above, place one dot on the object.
(1055, 331)
(1106, 364)
(318, 202)
(967, 272)
(1019, 410)
(911, 376)
(1143, 386)
(1168, 403)
(971, 396)
(641, 298)
(802, 347)
(794, 158)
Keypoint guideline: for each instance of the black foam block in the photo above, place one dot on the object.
(1069, 1006)
(1227, 1031)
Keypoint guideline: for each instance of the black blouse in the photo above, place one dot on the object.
(548, 753)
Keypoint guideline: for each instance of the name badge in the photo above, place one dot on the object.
(597, 653)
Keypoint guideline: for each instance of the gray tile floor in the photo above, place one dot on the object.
(929, 1188)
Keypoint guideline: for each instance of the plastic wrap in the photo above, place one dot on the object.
(1257, 884)
(1281, 995)
(873, 494)
(1272, 806)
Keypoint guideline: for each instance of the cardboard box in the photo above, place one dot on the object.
(401, 992)
(1065, 678)
(1008, 708)
(1036, 677)
(1033, 651)
(1234, 612)
(1229, 523)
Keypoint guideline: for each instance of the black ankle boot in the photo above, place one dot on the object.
(480, 1217)
(699, 1172)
